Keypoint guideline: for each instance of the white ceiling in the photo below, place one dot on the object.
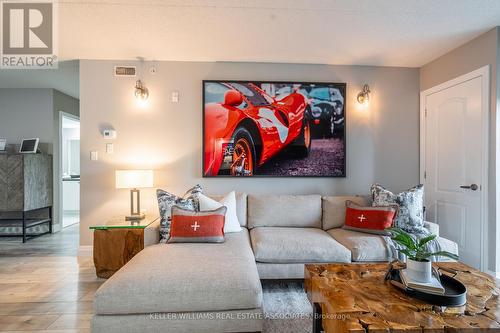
(65, 79)
(406, 33)
(364, 32)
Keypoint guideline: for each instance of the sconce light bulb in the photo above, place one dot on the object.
(141, 92)
(366, 99)
(364, 96)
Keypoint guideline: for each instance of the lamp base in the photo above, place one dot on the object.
(135, 217)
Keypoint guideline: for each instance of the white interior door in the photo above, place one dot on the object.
(455, 158)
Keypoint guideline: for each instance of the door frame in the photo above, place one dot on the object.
(60, 162)
(484, 74)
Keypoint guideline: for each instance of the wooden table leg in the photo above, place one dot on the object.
(113, 248)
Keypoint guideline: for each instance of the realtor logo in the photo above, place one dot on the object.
(28, 34)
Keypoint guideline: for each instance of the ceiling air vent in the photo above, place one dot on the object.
(125, 70)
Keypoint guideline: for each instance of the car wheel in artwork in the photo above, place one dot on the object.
(303, 142)
(328, 122)
(243, 153)
(332, 126)
(337, 120)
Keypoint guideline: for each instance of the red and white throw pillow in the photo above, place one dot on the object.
(373, 220)
(197, 227)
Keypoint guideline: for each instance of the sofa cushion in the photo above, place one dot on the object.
(273, 271)
(447, 245)
(334, 209)
(432, 227)
(363, 246)
(241, 206)
(185, 277)
(296, 245)
(367, 247)
(284, 211)
(247, 320)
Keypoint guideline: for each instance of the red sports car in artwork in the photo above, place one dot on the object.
(245, 127)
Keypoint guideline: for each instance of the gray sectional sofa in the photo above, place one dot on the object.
(216, 287)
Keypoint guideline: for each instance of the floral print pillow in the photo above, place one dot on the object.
(167, 200)
(411, 207)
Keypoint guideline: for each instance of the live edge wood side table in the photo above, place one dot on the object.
(355, 298)
(116, 242)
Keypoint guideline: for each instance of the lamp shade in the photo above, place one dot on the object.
(134, 178)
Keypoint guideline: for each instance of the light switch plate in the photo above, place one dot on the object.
(109, 148)
(94, 155)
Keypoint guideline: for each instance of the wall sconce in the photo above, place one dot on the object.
(141, 92)
(364, 95)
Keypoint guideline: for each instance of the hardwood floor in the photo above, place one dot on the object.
(44, 286)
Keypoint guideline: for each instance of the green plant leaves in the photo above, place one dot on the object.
(426, 240)
(403, 238)
(408, 253)
(445, 254)
(415, 249)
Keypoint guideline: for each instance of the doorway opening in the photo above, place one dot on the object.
(70, 169)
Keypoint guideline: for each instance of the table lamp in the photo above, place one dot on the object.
(134, 179)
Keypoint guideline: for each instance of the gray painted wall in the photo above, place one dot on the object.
(382, 141)
(28, 113)
(482, 51)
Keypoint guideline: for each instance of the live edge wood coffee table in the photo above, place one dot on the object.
(355, 298)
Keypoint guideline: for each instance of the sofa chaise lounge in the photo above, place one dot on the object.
(196, 287)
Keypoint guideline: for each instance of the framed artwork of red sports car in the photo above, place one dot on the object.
(290, 129)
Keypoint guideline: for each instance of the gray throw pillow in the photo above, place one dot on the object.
(411, 207)
(167, 200)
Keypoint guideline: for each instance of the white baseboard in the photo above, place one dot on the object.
(85, 251)
(56, 228)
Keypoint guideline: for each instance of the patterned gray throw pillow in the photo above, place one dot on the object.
(165, 202)
(411, 207)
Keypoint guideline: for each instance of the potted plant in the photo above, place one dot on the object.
(418, 264)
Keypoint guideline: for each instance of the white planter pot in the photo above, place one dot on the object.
(420, 271)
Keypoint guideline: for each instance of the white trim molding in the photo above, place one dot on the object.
(59, 161)
(494, 274)
(484, 74)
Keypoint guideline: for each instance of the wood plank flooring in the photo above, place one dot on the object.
(44, 286)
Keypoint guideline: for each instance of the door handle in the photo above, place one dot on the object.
(473, 187)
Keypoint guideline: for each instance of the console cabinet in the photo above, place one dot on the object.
(26, 196)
